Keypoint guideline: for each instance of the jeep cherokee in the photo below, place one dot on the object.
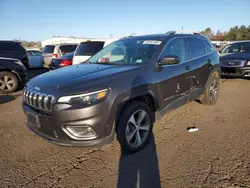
(122, 89)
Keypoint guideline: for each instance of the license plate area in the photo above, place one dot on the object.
(229, 70)
(33, 120)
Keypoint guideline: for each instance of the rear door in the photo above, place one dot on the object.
(175, 80)
(85, 50)
(200, 62)
(47, 54)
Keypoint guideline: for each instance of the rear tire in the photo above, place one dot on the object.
(8, 82)
(134, 126)
(211, 93)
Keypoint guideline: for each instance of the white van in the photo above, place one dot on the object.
(87, 49)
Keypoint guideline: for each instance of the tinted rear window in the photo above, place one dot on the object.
(89, 48)
(67, 48)
(11, 46)
(195, 47)
(49, 49)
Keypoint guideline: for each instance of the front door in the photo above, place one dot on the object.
(175, 80)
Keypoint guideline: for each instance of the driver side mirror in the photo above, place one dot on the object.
(169, 60)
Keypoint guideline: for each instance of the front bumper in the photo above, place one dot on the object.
(235, 72)
(51, 127)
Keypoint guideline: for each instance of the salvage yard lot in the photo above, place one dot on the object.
(217, 155)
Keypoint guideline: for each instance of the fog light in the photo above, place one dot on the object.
(80, 132)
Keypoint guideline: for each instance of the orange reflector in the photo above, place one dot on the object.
(101, 94)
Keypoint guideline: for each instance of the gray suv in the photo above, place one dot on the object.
(122, 90)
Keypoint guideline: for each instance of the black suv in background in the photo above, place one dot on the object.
(15, 50)
(13, 75)
(122, 89)
(235, 59)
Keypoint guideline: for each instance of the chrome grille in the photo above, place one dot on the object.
(232, 63)
(38, 100)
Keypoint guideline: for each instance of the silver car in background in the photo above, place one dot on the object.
(35, 58)
(56, 51)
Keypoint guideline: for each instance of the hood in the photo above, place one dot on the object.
(237, 56)
(82, 73)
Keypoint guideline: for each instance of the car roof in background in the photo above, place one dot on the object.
(243, 41)
(62, 44)
(10, 41)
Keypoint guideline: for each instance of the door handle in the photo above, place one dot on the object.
(187, 67)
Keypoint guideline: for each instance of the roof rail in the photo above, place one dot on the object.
(196, 33)
(127, 37)
(181, 32)
(170, 33)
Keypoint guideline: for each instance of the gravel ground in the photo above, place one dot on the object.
(217, 155)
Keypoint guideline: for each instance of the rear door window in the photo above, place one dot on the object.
(207, 46)
(89, 48)
(195, 47)
(11, 46)
(49, 49)
(67, 48)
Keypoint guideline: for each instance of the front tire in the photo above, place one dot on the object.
(134, 126)
(8, 82)
(211, 93)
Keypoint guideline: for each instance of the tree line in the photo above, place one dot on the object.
(234, 34)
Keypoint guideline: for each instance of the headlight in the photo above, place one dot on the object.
(248, 63)
(86, 99)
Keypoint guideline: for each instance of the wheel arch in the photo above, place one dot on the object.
(147, 97)
(218, 70)
(13, 72)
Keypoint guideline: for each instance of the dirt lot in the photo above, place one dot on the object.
(218, 155)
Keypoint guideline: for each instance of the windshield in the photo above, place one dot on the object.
(129, 51)
(237, 48)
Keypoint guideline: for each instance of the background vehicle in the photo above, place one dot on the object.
(235, 59)
(11, 49)
(13, 74)
(89, 48)
(35, 58)
(56, 51)
(63, 61)
(123, 88)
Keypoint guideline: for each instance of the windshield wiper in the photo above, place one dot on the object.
(106, 63)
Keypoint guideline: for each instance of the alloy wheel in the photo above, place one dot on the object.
(137, 128)
(213, 91)
(7, 83)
